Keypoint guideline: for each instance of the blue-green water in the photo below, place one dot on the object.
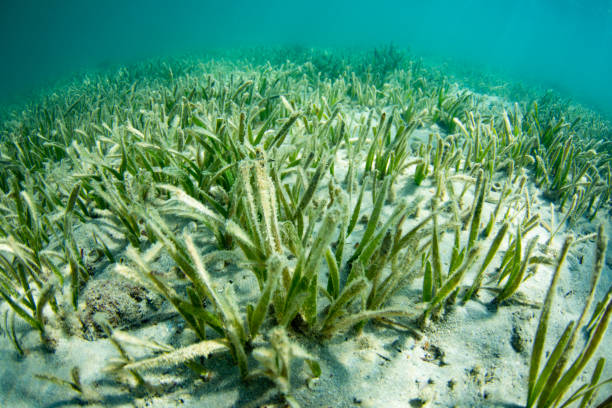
(563, 44)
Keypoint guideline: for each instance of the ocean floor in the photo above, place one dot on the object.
(466, 354)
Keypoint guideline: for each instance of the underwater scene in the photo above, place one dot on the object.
(307, 204)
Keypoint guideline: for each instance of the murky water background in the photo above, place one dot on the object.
(562, 44)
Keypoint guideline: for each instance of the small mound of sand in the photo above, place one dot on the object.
(122, 303)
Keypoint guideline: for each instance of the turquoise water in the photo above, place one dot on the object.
(565, 45)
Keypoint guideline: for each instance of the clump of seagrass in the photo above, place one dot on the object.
(277, 361)
(85, 393)
(33, 276)
(547, 387)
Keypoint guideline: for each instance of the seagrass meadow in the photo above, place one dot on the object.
(303, 227)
